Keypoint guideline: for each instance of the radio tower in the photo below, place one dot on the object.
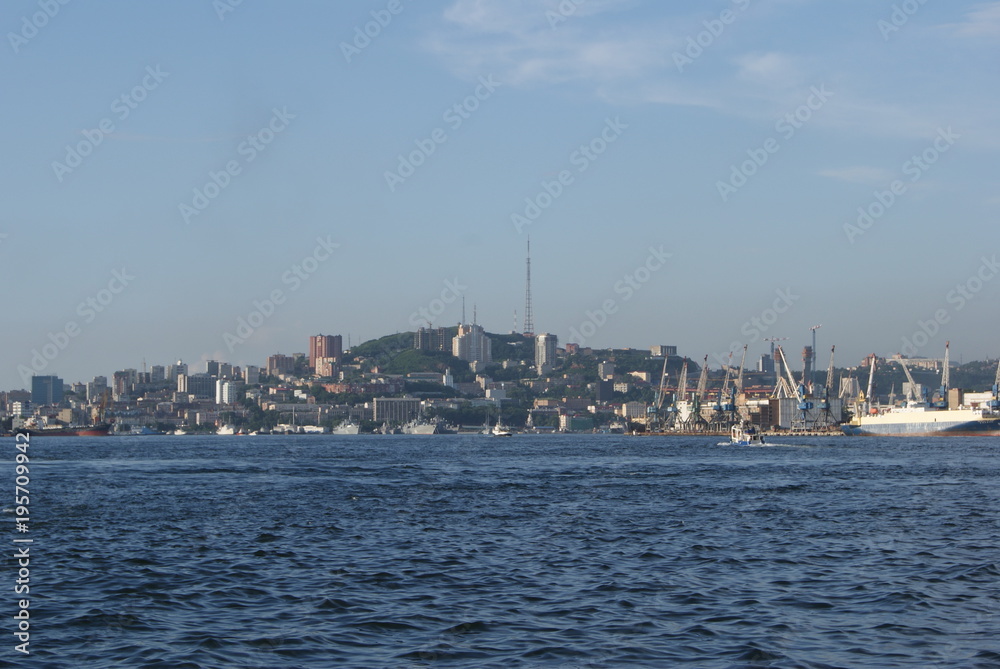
(529, 319)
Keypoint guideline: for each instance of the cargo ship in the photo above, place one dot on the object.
(98, 430)
(923, 421)
(922, 418)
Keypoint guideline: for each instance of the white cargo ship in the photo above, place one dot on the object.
(918, 418)
(923, 421)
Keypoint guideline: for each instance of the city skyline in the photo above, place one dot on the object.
(708, 176)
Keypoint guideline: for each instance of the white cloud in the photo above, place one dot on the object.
(627, 57)
(984, 21)
(770, 69)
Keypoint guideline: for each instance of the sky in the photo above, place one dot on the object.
(219, 180)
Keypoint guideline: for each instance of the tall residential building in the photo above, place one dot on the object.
(97, 388)
(202, 386)
(430, 339)
(212, 367)
(606, 371)
(46, 390)
(226, 392)
(325, 346)
(251, 375)
(173, 371)
(157, 374)
(123, 382)
(471, 344)
(327, 367)
(765, 364)
(545, 353)
(280, 364)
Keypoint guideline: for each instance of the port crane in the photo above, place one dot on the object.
(995, 402)
(824, 402)
(655, 416)
(725, 404)
(739, 378)
(695, 421)
(942, 402)
(911, 394)
(803, 404)
(869, 394)
(727, 398)
(814, 351)
(680, 395)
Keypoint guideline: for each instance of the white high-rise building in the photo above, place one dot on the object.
(226, 392)
(545, 353)
(471, 344)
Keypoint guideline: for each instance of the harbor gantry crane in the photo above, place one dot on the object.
(804, 405)
(995, 402)
(720, 420)
(824, 404)
(739, 379)
(729, 394)
(814, 352)
(655, 418)
(911, 394)
(695, 421)
(869, 395)
(679, 396)
(942, 402)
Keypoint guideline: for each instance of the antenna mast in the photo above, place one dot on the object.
(529, 318)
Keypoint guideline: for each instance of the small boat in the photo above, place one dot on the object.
(501, 430)
(745, 436)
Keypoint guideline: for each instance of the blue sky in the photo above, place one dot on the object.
(652, 238)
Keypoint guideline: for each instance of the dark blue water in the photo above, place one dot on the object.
(546, 551)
